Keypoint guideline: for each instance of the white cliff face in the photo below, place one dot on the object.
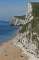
(17, 21)
(12, 20)
(28, 45)
(29, 8)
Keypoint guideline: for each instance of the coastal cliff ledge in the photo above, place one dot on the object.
(17, 20)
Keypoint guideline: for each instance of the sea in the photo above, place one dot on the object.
(7, 32)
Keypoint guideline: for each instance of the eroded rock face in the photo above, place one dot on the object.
(31, 45)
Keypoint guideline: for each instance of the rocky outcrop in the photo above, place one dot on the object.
(20, 20)
(12, 21)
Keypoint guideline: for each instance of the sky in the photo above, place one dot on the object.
(12, 7)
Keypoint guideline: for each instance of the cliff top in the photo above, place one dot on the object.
(20, 17)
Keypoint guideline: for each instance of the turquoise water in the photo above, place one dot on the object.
(7, 31)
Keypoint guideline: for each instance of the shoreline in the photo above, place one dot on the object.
(9, 42)
(12, 46)
(8, 50)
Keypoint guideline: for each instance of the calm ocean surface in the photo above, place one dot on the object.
(6, 31)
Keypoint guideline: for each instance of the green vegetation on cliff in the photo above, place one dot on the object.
(35, 25)
(24, 28)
